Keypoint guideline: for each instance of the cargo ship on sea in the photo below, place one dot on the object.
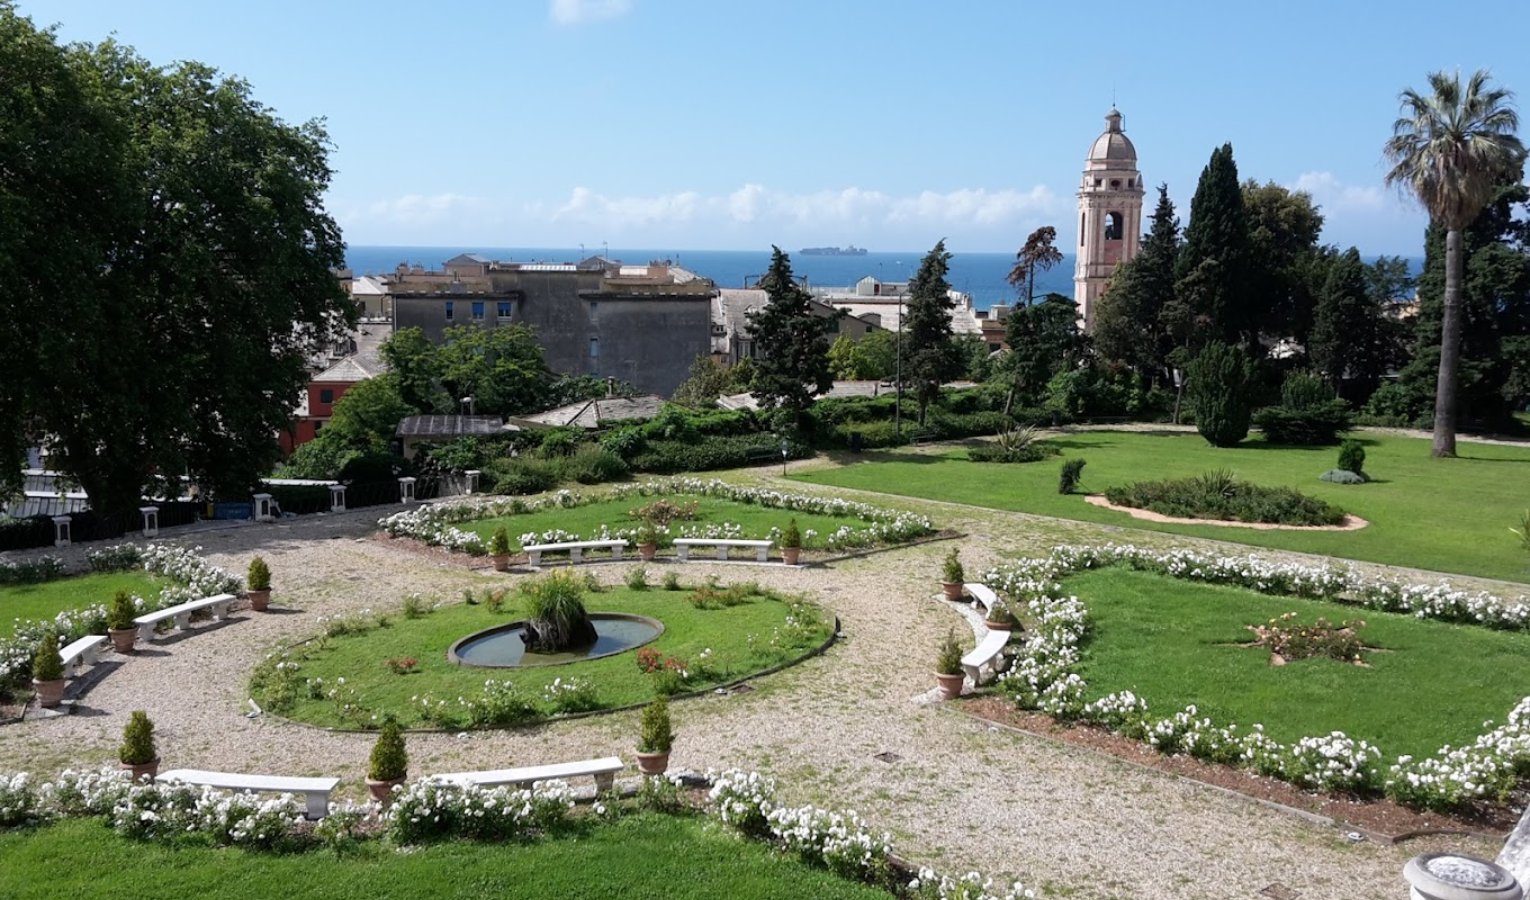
(851, 250)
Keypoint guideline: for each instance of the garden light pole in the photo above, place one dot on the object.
(898, 386)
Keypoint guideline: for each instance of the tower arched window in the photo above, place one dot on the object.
(1112, 226)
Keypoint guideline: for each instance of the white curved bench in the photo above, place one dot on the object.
(983, 594)
(315, 791)
(147, 622)
(988, 654)
(683, 547)
(84, 651)
(575, 549)
(604, 770)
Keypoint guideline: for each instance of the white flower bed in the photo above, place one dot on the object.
(1044, 675)
(195, 578)
(434, 523)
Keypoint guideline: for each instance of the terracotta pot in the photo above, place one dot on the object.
(646, 552)
(653, 763)
(49, 693)
(953, 590)
(382, 791)
(259, 600)
(501, 562)
(950, 685)
(140, 771)
(123, 639)
(997, 626)
(790, 555)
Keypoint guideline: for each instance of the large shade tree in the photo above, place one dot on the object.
(791, 344)
(1039, 252)
(930, 358)
(1449, 148)
(168, 262)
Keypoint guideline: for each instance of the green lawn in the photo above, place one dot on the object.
(44, 601)
(743, 639)
(1172, 643)
(642, 856)
(756, 521)
(1444, 515)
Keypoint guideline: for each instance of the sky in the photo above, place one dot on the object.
(889, 124)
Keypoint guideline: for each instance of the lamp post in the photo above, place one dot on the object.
(785, 447)
(898, 384)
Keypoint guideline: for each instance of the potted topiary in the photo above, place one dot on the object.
(952, 576)
(48, 673)
(499, 549)
(948, 668)
(1000, 617)
(791, 543)
(138, 754)
(257, 585)
(655, 737)
(647, 541)
(119, 622)
(389, 763)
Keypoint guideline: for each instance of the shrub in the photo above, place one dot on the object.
(555, 610)
(1313, 425)
(121, 612)
(996, 454)
(951, 568)
(1218, 495)
(672, 581)
(416, 606)
(1352, 457)
(138, 740)
(526, 476)
(637, 578)
(1523, 531)
(656, 733)
(647, 535)
(1220, 382)
(389, 760)
(1068, 479)
(1341, 476)
(663, 511)
(500, 703)
(259, 576)
(46, 664)
(791, 535)
(948, 659)
(713, 452)
(499, 542)
(1291, 640)
(594, 464)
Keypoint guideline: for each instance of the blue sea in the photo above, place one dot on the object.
(982, 275)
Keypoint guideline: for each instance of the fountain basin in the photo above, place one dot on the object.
(502, 647)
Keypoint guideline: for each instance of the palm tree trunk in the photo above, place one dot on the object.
(1450, 350)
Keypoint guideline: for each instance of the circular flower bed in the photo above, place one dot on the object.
(1218, 495)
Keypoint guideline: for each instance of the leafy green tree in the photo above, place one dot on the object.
(929, 358)
(1129, 319)
(1350, 340)
(1043, 340)
(709, 379)
(873, 357)
(1220, 386)
(416, 364)
(1451, 149)
(199, 258)
(501, 368)
(364, 422)
(1212, 266)
(791, 363)
(1039, 252)
(1283, 229)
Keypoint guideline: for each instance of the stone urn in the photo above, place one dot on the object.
(953, 590)
(501, 562)
(123, 639)
(1453, 876)
(790, 555)
(653, 763)
(259, 600)
(50, 693)
(646, 552)
(141, 771)
(950, 685)
(382, 791)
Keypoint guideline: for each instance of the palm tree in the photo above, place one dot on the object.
(1450, 149)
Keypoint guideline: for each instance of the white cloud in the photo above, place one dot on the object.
(1334, 195)
(582, 12)
(587, 206)
(422, 209)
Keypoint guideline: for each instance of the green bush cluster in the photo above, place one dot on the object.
(1068, 478)
(1310, 413)
(138, 740)
(1352, 457)
(996, 454)
(1218, 495)
(1220, 384)
(700, 454)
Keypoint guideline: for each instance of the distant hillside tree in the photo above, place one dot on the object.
(1212, 268)
(1039, 252)
(168, 266)
(929, 357)
(791, 362)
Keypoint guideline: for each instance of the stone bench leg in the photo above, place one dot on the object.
(220, 612)
(182, 620)
(576, 555)
(616, 552)
(762, 554)
(722, 551)
(683, 551)
(317, 803)
(604, 782)
(146, 631)
(534, 557)
(90, 657)
(973, 672)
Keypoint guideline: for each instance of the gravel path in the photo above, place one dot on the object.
(962, 795)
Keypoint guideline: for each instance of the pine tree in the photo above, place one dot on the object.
(929, 357)
(1348, 339)
(1211, 269)
(791, 362)
(1128, 320)
(1220, 385)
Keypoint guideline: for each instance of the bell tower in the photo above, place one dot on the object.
(1109, 215)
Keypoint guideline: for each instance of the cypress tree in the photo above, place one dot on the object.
(791, 363)
(929, 356)
(1220, 387)
(1211, 269)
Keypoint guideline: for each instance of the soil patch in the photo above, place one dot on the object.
(1380, 819)
(1351, 522)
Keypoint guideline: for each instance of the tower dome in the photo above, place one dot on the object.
(1113, 145)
